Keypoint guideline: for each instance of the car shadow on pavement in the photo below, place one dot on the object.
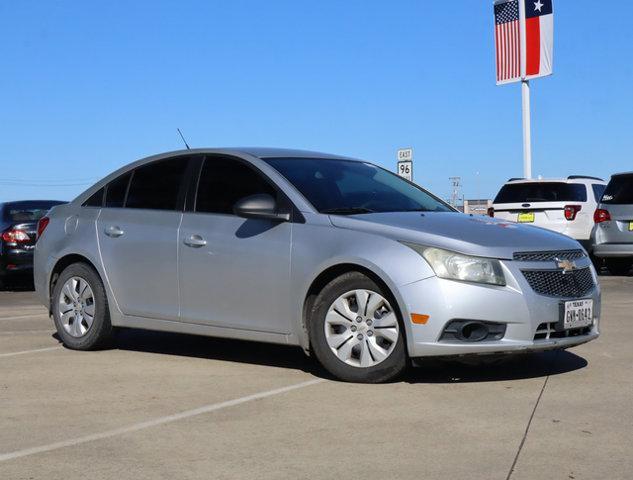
(281, 356)
(515, 367)
(212, 348)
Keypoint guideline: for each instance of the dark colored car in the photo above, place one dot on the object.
(18, 232)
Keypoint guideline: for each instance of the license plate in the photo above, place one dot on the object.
(577, 314)
(526, 217)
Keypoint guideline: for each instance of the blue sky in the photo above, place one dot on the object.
(89, 86)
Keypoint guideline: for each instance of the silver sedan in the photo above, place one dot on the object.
(357, 266)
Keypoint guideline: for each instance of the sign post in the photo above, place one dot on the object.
(405, 163)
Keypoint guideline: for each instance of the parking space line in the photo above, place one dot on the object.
(155, 422)
(18, 317)
(24, 352)
(18, 332)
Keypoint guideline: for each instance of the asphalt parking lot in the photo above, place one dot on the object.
(175, 406)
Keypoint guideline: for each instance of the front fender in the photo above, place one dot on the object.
(318, 248)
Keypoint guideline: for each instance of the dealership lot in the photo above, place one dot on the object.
(175, 406)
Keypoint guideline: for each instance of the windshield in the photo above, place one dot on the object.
(348, 187)
(535, 192)
(17, 213)
(619, 191)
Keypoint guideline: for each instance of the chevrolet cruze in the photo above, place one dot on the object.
(362, 269)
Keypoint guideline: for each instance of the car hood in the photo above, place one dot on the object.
(468, 234)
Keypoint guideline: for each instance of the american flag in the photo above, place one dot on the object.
(507, 41)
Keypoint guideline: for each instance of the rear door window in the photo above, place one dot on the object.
(27, 213)
(116, 190)
(619, 191)
(535, 192)
(158, 185)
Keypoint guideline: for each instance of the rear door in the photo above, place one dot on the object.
(137, 231)
(618, 201)
(234, 272)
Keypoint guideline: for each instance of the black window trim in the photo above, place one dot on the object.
(103, 192)
(182, 189)
(107, 187)
(282, 198)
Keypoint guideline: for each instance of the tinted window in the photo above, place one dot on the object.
(598, 191)
(95, 200)
(156, 186)
(224, 181)
(619, 190)
(343, 186)
(116, 190)
(27, 212)
(535, 192)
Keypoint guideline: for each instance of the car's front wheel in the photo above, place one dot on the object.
(80, 309)
(356, 332)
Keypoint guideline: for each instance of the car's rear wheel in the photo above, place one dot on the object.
(619, 266)
(356, 332)
(80, 309)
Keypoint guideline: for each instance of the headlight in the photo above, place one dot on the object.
(456, 266)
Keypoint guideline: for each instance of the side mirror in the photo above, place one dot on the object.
(262, 206)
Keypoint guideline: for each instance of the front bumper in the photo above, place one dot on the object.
(516, 305)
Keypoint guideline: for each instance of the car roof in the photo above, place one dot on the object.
(241, 152)
(573, 179)
(260, 152)
(622, 174)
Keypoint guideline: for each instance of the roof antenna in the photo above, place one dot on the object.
(183, 139)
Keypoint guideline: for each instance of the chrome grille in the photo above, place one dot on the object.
(549, 256)
(556, 283)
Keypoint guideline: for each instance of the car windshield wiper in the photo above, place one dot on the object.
(347, 210)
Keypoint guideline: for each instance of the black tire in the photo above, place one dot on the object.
(388, 369)
(619, 266)
(100, 333)
(598, 262)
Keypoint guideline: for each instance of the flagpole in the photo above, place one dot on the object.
(527, 130)
(525, 97)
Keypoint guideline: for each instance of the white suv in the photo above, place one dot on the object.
(563, 205)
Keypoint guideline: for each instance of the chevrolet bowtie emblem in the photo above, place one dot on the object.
(566, 265)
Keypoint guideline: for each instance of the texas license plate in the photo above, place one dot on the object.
(577, 314)
(526, 217)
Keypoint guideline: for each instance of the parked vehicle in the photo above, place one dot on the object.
(562, 205)
(359, 267)
(612, 236)
(18, 229)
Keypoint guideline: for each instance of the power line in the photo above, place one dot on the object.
(17, 182)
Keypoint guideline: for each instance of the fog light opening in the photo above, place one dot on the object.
(474, 331)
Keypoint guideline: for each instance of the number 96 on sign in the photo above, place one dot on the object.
(405, 170)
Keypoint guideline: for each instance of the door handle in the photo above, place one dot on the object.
(113, 231)
(195, 241)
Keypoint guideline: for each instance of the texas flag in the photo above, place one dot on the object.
(539, 38)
